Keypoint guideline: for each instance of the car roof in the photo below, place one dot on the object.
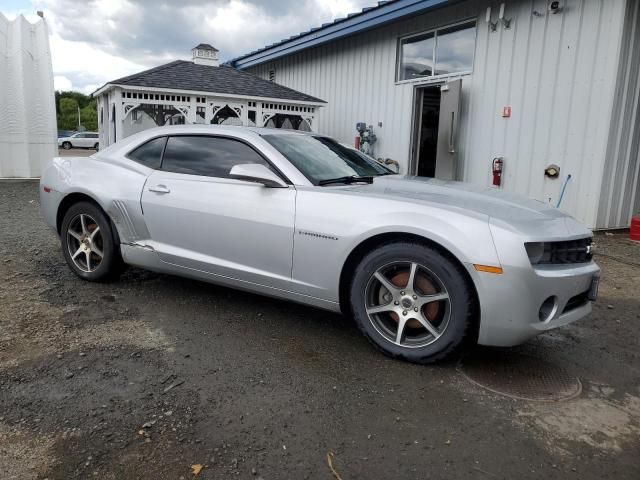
(208, 128)
(258, 130)
(196, 129)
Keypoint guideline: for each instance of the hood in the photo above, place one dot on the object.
(507, 210)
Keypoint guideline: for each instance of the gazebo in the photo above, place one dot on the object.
(199, 91)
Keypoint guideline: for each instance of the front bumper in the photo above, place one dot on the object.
(510, 303)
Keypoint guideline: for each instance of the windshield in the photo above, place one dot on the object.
(321, 158)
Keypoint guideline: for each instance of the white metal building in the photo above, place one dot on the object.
(27, 99)
(198, 91)
(451, 85)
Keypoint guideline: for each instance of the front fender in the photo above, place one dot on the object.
(323, 242)
(469, 240)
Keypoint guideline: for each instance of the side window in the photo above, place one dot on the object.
(150, 153)
(93, 135)
(207, 156)
(439, 52)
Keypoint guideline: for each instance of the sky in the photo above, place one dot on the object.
(95, 41)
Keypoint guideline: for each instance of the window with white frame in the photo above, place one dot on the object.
(443, 51)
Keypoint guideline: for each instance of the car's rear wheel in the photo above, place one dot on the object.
(412, 302)
(96, 147)
(88, 243)
(66, 145)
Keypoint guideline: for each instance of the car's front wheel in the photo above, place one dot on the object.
(412, 302)
(66, 145)
(88, 243)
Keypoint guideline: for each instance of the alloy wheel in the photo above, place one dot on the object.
(407, 304)
(85, 243)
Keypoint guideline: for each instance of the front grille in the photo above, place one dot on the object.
(570, 251)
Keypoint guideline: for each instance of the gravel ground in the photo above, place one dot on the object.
(76, 152)
(150, 375)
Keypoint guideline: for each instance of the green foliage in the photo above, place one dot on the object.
(67, 114)
(89, 116)
(67, 104)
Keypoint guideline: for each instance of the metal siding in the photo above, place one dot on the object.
(620, 196)
(384, 13)
(558, 72)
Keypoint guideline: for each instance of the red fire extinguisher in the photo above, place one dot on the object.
(496, 169)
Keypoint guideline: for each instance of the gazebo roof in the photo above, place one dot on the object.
(186, 75)
(205, 46)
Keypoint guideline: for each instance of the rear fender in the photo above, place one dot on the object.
(115, 187)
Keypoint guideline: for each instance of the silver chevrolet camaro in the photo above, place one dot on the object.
(423, 266)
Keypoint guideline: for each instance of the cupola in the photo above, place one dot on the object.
(205, 54)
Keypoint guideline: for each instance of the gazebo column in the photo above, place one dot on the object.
(244, 116)
(103, 114)
(119, 124)
(192, 115)
(208, 111)
(259, 114)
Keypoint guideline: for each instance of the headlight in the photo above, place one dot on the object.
(538, 252)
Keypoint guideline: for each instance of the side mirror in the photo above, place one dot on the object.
(254, 172)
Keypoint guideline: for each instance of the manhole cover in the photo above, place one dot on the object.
(520, 376)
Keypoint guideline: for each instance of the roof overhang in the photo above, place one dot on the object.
(109, 86)
(369, 18)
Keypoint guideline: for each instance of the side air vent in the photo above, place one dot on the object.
(121, 217)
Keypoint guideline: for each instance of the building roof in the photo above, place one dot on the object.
(205, 46)
(186, 75)
(371, 17)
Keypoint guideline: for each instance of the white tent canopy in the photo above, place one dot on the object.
(27, 99)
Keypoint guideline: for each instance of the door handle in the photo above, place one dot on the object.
(159, 189)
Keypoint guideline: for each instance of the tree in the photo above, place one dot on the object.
(89, 116)
(67, 114)
(67, 104)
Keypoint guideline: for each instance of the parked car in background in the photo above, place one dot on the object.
(424, 266)
(80, 140)
(65, 133)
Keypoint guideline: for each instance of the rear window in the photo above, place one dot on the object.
(149, 154)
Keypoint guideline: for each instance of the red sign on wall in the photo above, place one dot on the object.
(506, 112)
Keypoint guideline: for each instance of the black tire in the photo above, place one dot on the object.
(96, 147)
(111, 264)
(461, 311)
(66, 145)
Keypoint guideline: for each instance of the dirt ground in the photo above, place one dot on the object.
(150, 375)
